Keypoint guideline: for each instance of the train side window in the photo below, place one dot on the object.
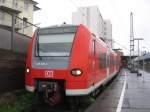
(114, 61)
(102, 60)
(105, 60)
(94, 47)
(108, 60)
(111, 61)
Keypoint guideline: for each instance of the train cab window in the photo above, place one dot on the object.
(94, 47)
(56, 44)
(55, 41)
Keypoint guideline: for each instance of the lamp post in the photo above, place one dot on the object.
(144, 63)
(138, 39)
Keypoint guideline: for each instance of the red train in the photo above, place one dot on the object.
(68, 60)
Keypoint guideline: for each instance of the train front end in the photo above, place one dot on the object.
(48, 62)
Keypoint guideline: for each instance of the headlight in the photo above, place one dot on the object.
(27, 70)
(76, 72)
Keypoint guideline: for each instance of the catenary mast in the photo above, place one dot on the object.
(131, 42)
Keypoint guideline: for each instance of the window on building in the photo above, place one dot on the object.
(15, 20)
(15, 3)
(25, 20)
(26, 4)
(2, 1)
(2, 14)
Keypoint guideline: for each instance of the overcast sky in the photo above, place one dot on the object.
(118, 11)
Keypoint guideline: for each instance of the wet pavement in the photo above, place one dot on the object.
(136, 97)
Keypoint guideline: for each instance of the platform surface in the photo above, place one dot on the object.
(134, 98)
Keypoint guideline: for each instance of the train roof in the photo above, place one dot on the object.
(64, 28)
(144, 57)
(60, 26)
(67, 28)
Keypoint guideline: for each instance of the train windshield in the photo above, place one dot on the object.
(55, 44)
(55, 41)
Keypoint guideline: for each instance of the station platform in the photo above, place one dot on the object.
(127, 93)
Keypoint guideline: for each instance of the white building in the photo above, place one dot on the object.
(108, 33)
(90, 17)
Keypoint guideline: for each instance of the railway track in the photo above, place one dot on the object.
(47, 108)
(64, 107)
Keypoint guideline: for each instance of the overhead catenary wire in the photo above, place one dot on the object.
(120, 20)
(79, 2)
(121, 45)
(74, 3)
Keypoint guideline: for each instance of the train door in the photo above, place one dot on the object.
(115, 64)
(94, 54)
(108, 62)
(94, 60)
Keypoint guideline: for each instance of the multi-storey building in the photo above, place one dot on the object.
(91, 17)
(108, 33)
(21, 8)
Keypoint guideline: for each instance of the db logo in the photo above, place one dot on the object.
(49, 74)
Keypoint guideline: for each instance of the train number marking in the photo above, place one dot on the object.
(49, 74)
